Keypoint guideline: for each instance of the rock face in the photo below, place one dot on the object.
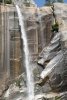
(33, 24)
(61, 16)
(55, 69)
(51, 50)
(37, 32)
(60, 11)
(56, 75)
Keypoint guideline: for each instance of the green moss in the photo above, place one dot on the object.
(8, 1)
(0, 1)
(18, 83)
(57, 98)
(55, 27)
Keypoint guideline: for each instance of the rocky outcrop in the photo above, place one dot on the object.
(51, 50)
(52, 76)
(61, 17)
(56, 75)
(60, 11)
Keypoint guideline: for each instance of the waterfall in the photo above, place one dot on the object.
(28, 67)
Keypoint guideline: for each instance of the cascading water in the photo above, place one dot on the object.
(30, 82)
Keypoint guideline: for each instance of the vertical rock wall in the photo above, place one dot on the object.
(35, 29)
(61, 16)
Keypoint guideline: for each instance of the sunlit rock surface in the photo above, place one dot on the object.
(60, 11)
(57, 81)
(51, 50)
(12, 60)
(19, 87)
(63, 28)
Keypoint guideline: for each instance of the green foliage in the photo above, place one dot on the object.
(6, 1)
(57, 98)
(61, 1)
(50, 2)
(1, 1)
(18, 83)
(27, 3)
(55, 27)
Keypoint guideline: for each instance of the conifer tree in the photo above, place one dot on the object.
(50, 2)
(6, 1)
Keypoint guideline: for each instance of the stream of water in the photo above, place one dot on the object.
(28, 67)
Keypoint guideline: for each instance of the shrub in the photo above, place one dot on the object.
(18, 83)
(55, 27)
(8, 1)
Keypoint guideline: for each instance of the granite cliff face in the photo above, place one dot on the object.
(58, 73)
(50, 62)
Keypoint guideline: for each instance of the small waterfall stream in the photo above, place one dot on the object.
(30, 82)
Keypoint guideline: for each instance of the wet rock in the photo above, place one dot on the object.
(55, 82)
(64, 76)
(64, 97)
(19, 88)
(46, 88)
(50, 51)
(16, 89)
(36, 71)
(58, 83)
(41, 82)
(47, 96)
(64, 80)
(52, 64)
(60, 10)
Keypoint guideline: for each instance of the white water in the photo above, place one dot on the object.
(30, 82)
